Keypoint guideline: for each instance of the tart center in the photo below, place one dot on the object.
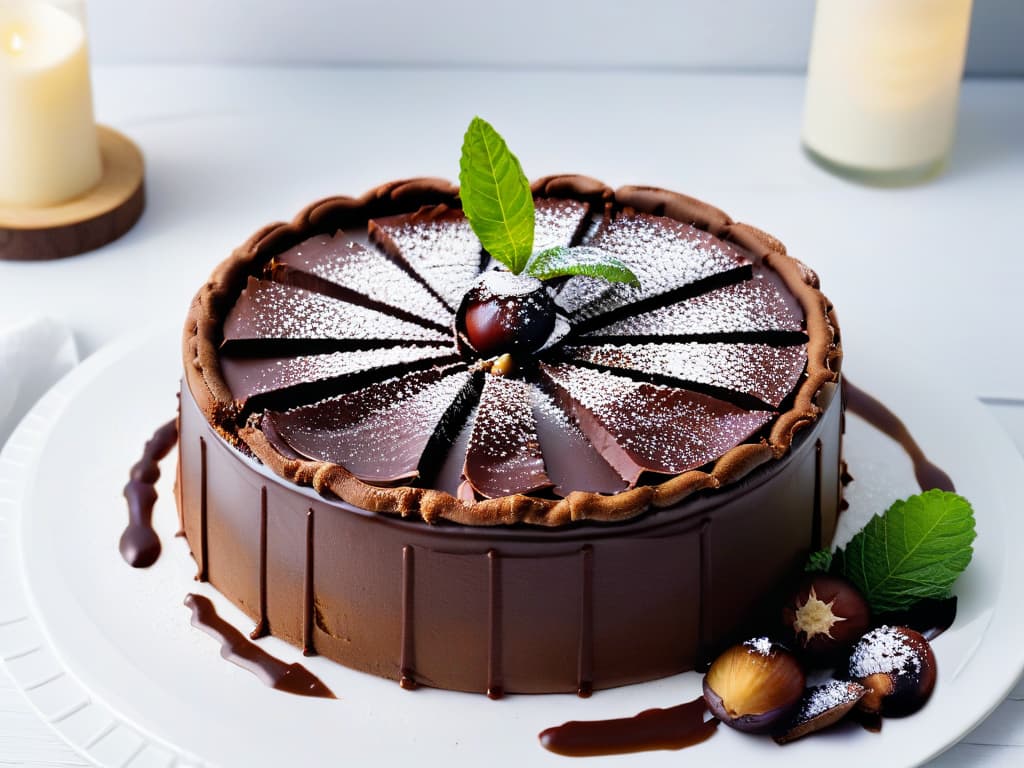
(506, 314)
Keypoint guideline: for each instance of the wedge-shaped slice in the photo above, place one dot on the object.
(384, 433)
(267, 311)
(435, 243)
(503, 456)
(558, 222)
(754, 306)
(640, 427)
(758, 370)
(339, 267)
(572, 462)
(251, 378)
(665, 255)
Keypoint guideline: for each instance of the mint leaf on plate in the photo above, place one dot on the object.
(496, 196)
(581, 260)
(916, 550)
(818, 562)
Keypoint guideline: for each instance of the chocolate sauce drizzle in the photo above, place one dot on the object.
(262, 627)
(585, 657)
(407, 676)
(495, 685)
(673, 728)
(885, 421)
(239, 650)
(139, 544)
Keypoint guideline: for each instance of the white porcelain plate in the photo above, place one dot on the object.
(107, 655)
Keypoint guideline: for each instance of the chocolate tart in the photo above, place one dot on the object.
(608, 511)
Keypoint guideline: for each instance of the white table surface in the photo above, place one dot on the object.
(927, 279)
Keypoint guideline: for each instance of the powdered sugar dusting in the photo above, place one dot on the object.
(884, 650)
(246, 377)
(663, 429)
(761, 645)
(663, 253)
(352, 265)
(828, 696)
(504, 455)
(556, 222)
(442, 250)
(766, 372)
(380, 432)
(751, 306)
(268, 310)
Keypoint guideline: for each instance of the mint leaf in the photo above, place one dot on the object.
(818, 562)
(496, 196)
(914, 551)
(581, 260)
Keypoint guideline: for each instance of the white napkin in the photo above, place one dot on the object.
(34, 354)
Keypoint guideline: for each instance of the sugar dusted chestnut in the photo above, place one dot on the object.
(825, 615)
(821, 706)
(754, 686)
(505, 313)
(897, 666)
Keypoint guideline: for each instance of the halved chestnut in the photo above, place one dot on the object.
(754, 686)
(897, 666)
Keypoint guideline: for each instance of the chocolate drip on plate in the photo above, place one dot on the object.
(673, 728)
(239, 650)
(928, 475)
(639, 427)
(381, 433)
(272, 311)
(504, 456)
(347, 270)
(139, 544)
(758, 371)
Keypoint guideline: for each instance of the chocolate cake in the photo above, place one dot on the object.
(365, 478)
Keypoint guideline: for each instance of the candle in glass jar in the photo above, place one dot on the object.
(883, 80)
(49, 151)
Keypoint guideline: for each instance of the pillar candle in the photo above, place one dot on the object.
(883, 81)
(49, 152)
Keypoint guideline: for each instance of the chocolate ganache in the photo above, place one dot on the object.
(330, 378)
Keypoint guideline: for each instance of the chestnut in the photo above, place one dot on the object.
(821, 706)
(825, 615)
(505, 313)
(897, 666)
(754, 686)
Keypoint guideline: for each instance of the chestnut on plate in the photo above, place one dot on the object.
(897, 666)
(825, 615)
(754, 686)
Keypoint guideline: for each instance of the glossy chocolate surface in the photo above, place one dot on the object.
(139, 544)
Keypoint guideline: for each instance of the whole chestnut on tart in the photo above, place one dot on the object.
(754, 686)
(898, 668)
(825, 615)
(505, 313)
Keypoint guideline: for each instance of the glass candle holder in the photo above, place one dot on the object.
(883, 81)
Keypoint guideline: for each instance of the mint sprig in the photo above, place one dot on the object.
(561, 261)
(916, 550)
(498, 203)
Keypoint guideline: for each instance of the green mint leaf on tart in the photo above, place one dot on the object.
(916, 550)
(496, 196)
(561, 261)
(819, 562)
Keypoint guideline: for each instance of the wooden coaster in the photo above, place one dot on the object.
(99, 217)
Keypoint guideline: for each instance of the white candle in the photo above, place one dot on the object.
(49, 152)
(883, 81)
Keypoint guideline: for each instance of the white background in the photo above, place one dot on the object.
(753, 35)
